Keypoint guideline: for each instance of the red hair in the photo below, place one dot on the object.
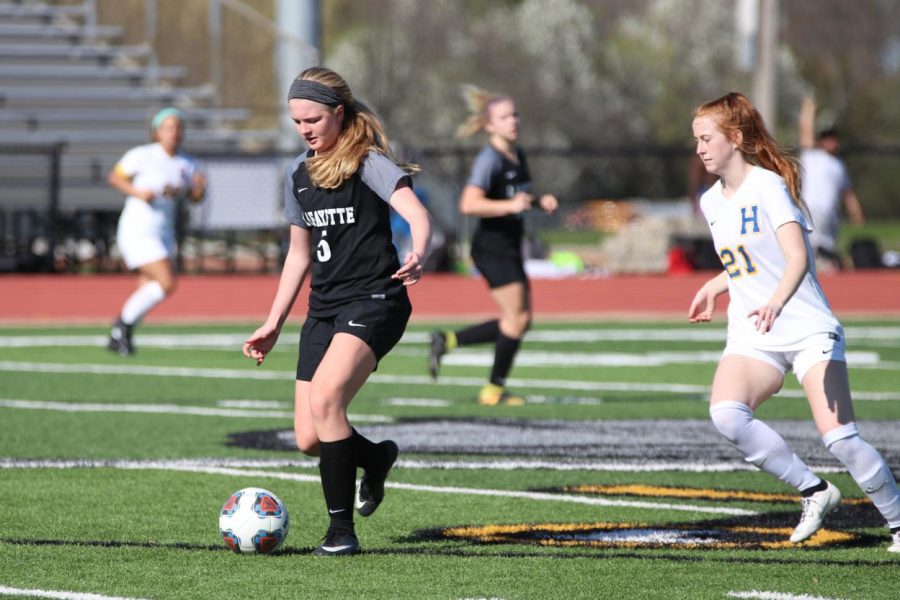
(733, 113)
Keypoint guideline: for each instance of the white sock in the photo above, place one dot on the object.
(868, 469)
(141, 301)
(761, 445)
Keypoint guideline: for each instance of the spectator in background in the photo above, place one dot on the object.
(154, 177)
(498, 192)
(826, 187)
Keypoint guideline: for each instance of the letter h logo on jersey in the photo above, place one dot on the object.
(749, 219)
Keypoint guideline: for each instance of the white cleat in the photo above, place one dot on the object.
(895, 547)
(814, 510)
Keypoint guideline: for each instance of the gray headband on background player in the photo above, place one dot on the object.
(304, 89)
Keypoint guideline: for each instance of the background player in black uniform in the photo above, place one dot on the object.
(338, 197)
(499, 192)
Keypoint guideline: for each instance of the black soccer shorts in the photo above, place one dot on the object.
(378, 323)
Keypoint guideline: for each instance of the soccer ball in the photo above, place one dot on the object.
(252, 521)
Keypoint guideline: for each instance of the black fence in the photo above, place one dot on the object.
(29, 206)
(239, 228)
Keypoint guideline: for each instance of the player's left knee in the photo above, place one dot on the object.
(169, 286)
(325, 405)
(865, 463)
(842, 438)
(307, 442)
(521, 323)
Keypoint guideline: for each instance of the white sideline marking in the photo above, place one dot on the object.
(525, 358)
(8, 591)
(195, 467)
(423, 402)
(166, 409)
(757, 595)
(562, 359)
(258, 404)
(593, 501)
(563, 384)
(465, 465)
(233, 341)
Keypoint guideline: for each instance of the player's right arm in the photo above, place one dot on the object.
(121, 181)
(853, 207)
(704, 302)
(475, 203)
(807, 123)
(296, 266)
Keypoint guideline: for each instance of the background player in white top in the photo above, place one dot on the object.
(778, 317)
(338, 197)
(498, 192)
(826, 186)
(154, 177)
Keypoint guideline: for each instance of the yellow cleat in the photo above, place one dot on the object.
(494, 395)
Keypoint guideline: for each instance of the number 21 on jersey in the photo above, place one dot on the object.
(737, 266)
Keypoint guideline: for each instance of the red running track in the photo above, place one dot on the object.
(246, 298)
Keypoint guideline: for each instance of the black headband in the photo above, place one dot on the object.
(304, 89)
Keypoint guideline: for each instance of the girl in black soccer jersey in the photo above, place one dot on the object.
(338, 197)
(499, 192)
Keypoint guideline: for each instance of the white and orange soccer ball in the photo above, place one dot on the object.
(253, 521)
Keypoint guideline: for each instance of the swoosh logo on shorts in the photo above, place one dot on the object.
(352, 324)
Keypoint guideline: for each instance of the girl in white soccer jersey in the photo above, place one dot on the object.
(153, 177)
(338, 197)
(498, 192)
(778, 317)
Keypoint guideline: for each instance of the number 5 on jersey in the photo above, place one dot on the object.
(730, 262)
(323, 250)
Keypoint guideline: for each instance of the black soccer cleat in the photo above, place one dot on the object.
(370, 491)
(436, 351)
(338, 543)
(120, 339)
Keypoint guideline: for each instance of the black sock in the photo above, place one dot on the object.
(504, 354)
(125, 327)
(822, 485)
(478, 334)
(369, 455)
(337, 468)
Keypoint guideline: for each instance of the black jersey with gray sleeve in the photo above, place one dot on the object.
(501, 179)
(353, 256)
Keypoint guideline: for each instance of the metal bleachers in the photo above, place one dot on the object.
(61, 118)
(65, 79)
(73, 99)
(90, 74)
(71, 34)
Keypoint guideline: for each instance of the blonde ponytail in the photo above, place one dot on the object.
(477, 101)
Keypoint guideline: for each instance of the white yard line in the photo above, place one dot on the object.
(531, 358)
(416, 464)
(561, 384)
(233, 341)
(758, 595)
(495, 493)
(167, 409)
(58, 595)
